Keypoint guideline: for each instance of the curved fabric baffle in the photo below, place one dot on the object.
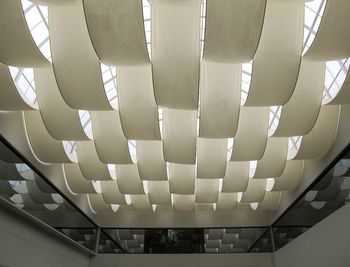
(277, 59)
(182, 178)
(159, 192)
(317, 143)
(179, 142)
(240, 23)
(274, 159)
(110, 142)
(150, 160)
(90, 165)
(111, 193)
(61, 121)
(255, 191)
(251, 137)
(116, 30)
(211, 158)
(236, 177)
(10, 97)
(137, 106)
(300, 113)
(128, 179)
(220, 93)
(46, 148)
(98, 205)
(17, 46)
(75, 62)
(227, 201)
(291, 176)
(175, 52)
(207, 190)
(332, 38)
(76, 182)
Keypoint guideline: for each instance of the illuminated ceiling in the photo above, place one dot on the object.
(176, 106)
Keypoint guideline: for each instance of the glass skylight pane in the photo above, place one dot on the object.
(147, 24)
(246, 78)
(313, 14)
(335, 76)
(274, 117)
(85, 121)
(37, 21)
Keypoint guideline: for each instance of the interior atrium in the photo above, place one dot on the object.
(174, 133)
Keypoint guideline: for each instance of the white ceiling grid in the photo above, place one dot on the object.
(192, 128)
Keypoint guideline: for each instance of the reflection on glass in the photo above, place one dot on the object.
(84, 236)
(329, 194)
(197, 240)
(26, 190)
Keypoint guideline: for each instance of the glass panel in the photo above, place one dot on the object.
(323, 198)
(191, 240)
(28, 191)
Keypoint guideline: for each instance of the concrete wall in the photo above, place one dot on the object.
(185, 260)
(324, 245)
(22, 243)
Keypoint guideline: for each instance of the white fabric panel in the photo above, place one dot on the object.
(332, 38)
(274, 159)
(250, 139)
(116, 30)
(76, 182)
(129, 180)
(138, 108)
(317, 143)
(227, 201)
(300, 113)
(220, 100)
(150, 160)
(37, 195)
(175, 52)
(183, 202)
(255, 191)
(75, 62)
(61, 121)
(277, 59)
(17, 47)
(98, 205)
(291, 176)
(179, 142)
(159, 192)
(270, 202)
(10, 97)
(343, 96)
(140, 203)
(211, 158)
(207, 190)
(232, 30)
(9, 172)
(90, 165)
(46, 148)
(111, 193)
(182, 178)
(110, 142)
(236, 177)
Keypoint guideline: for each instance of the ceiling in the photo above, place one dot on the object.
(193, 109)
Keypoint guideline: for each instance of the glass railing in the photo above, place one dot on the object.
(31, 192)
(25, 188)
